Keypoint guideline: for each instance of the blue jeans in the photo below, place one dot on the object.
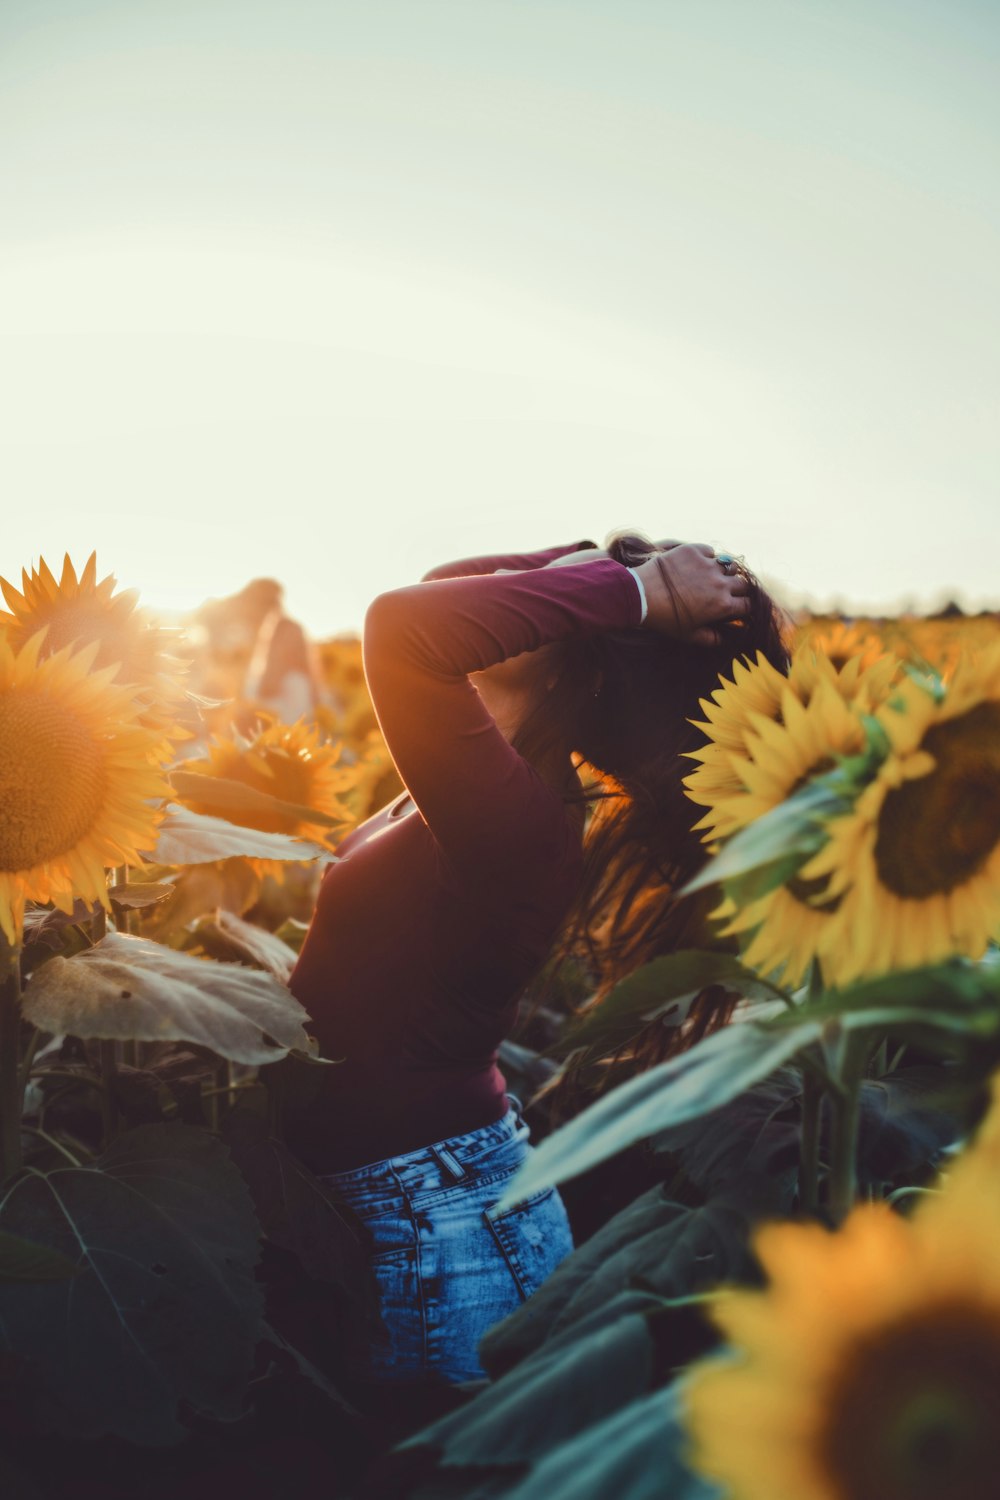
(447, 1264)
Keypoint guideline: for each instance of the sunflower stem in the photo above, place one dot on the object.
(812, 1101)
(846, 1113)
(108, 1051)
(11, 1092)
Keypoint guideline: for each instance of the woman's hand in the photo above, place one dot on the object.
(688, 592)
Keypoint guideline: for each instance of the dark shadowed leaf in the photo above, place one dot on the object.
(190, 838)
(227, 936)
(757, 1133)
(235, 799)
(295, 1210)
(653, 989)
(525, 1070)
(560, 1391)
(25, 1260)
(684, 1088)
(128, 988)
(906, 1120)
(165, 1308)
(635, 1454)
(654, 1245)
(40, 921)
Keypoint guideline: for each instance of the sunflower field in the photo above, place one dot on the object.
(787, 1280)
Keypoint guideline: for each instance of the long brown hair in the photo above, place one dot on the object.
(633, 695)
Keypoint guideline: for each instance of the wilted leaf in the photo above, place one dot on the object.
(292, 933)
(136, 897)
(225, 935)
(25, 1260)
(684, 1088)
(164, 1309)
(190, 838)
(235, 798)
(39, 921)
(130, 989)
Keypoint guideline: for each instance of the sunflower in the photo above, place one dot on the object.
(784, 928)
(842, 641)
(915, 865)
(376, 779)
(869, 1369)
(75, 776)
(289, 762)
(740, 711)
(79, 611)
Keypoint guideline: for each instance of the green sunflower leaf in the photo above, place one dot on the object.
(684, 1088)
(164, 1309)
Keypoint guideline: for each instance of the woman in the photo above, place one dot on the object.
(488, 678)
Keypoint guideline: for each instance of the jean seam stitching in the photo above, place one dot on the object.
(418, 1256)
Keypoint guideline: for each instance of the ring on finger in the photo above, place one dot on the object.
(724, 560)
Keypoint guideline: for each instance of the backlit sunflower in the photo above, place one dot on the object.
(287, 761)
(740, 711)
(915, 865)
(784, 929)
(82, 611)
(869, 1369)
(75, 776)
(842, 641)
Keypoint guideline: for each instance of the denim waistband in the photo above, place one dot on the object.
(438, 1165)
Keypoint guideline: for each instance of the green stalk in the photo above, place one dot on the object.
(846, 1113)
(108, 1051)
(11, 1092)
(813, 1089)
(812, 1102)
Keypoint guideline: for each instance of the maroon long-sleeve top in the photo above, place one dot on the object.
(443, 905)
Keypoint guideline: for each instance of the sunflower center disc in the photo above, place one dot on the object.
(52, 779)
(914, 1416)
(936, 833)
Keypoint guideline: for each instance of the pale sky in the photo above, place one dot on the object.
(333, 290)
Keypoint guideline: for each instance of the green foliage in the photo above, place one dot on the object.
(25, 1260)
(683, 1088)
(637, 1453)
(549, 1397)
(661, 989)
(775, 844)
(164, 1309)
(296, 1212)
(655, 1245)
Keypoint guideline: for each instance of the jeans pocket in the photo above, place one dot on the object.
(533, 1238)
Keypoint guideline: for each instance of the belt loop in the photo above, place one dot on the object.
(448, 1162)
